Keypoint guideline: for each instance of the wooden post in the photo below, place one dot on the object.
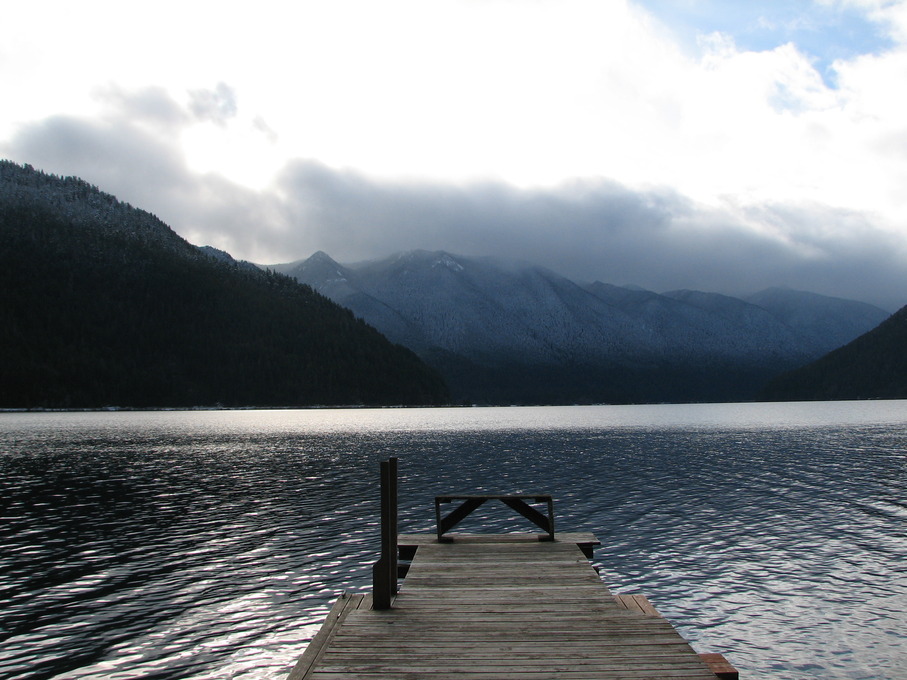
(391, 543)
(384, 573)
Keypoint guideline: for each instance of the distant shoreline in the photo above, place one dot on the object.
(163, 409)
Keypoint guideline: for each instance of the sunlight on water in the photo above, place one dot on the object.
(209, 545)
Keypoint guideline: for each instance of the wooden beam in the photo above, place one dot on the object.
(319, 644)
(384, 572)
(720, 666)
(533, 515)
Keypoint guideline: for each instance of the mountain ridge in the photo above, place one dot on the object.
(872, 366)
(104, 305)
(510, 318)
(101, 293)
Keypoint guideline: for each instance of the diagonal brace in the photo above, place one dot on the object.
(456, 516)
(546, 524)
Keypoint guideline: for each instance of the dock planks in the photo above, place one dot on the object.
(499, 608)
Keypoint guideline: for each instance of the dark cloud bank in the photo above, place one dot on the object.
(587, 230)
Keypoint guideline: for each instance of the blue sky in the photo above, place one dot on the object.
(825, 32)
(720, 145)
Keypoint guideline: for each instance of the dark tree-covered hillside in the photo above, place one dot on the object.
(874, 366)
(102, 304)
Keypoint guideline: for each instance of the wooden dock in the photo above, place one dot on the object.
(486, 607)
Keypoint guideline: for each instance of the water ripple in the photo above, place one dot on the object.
(202, 546)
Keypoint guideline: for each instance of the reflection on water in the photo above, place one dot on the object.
(210, 544)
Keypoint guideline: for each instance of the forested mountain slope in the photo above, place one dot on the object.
(103, 305)
(874, 366)
(509, 332)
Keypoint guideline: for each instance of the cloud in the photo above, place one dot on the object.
(260, 125)
(152, 106)
(588, 230)
(134, 152)
(826, 30)
(116, 155)
(595, 228)
(601, 230)
(530, 93)
(217, 105)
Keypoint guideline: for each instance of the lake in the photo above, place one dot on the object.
(210, 544)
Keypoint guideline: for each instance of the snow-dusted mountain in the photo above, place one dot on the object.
(873, 366)
(829, 322)
(488, 324)
(105, 305)
(483, 309)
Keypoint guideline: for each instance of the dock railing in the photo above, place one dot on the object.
(518, 503)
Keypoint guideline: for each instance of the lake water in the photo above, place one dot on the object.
(210, 544)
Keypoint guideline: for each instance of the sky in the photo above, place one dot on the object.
(705, 144)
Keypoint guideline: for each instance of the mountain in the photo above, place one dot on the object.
(508, 332)
(104, 305)
(874, 366)
(828, 322)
